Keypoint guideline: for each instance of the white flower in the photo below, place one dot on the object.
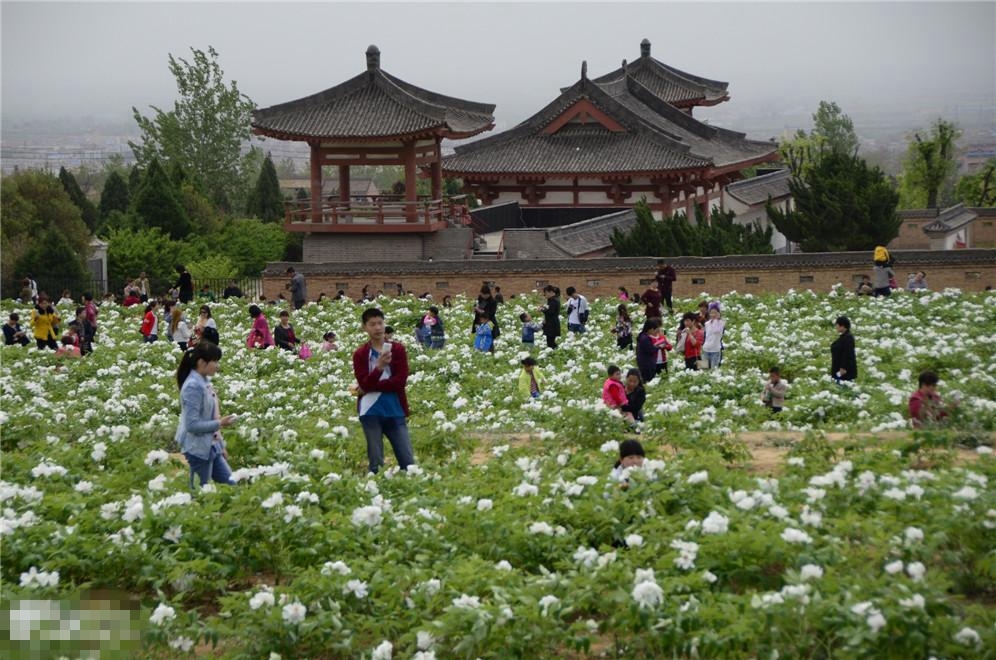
(894, 567)
(358, 588)
(273, 500)
(698, 477)
(35, 578)
(810, 572)
(792, 535)
(173, 534)
(687, 552)
(465, 602)
(84, 487)
(317, 454)
(709, 576)
(485, 504)
(777, 511)
(291, 511)
(307, 496)
(968, 637)
(46, 469)
(261, 598)
(644, 575)
(424, 655)
(100, 452)
(153, 457)
(915, 570)
(895, 494)
(796, 461)
(162, 613)
(430, 587)
(648, 595)
(541, 528)
(634, 540)
(966, 493)
(503, 565)
(915, 602)
(875, 621)
(339, 567)
(609, 447)
(913, 534)
(984, 450)
(746, 503)
(294, 613)
(371, 516)
(715, 523)
(548, 601)
(424, 640)
(588, 556)
(525, 489)
(383, 651)
(134, 509)
(157, 484)
(182, 643)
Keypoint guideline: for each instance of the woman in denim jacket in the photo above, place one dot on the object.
(199, 432)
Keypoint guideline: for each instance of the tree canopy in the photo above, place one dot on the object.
(265, 200)
(114, 196)
(157, 203)
(204, 132)
(840, 204)
(833, 132)
(979, 189)
(676, 236)
(87, 210)
(928, 169)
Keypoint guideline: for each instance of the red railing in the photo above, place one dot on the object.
(377, 210)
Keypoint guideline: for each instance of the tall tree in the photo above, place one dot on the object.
(929, 165)
(979, 189)
(72, 188)
(840, 204)
(32, 202)
(158, 203)
(835, 129)
(55, 263)
(266, 202)
(205, 130)
(114, 196)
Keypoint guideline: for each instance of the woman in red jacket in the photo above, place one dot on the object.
(150, 323)
(691, 338)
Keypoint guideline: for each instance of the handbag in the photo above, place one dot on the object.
(305, 352)
(701, 364)
(680, 346)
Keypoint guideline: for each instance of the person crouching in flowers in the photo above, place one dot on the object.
(925, 405)
(531, 380)
(614, 392)
(199, 431)
(631, 455)
(483, 334)
(259, 336)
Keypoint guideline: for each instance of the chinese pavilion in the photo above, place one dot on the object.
(373, 119)
(607, 141)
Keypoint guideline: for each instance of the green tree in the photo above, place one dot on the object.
(840, 204)
(265, 201)
(158, 204)
(134, 178)
(928, 166)
(979, 189)
(72, 188)
(114, 196)
(131, 251)
(31, 202)
(835, 129)
(205, 219)
(250, 244)
(215, 267)
(205, 130)
(55, 264)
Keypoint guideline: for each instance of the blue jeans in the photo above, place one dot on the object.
(214, 467)
(713, 358)
(575, 327)
(148, 339)
(396, 430)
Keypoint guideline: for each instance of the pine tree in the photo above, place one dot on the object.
(134, 179)
(75, 193)
(265, 201)
(158, 204)
(55, 262)
(114, 196)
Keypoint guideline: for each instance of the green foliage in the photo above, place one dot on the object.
(840, 204)
(204, 218)
(835, 129)
(72, 188)
(54, 263)
(158, 204)
(215, 267)
(929, 167)
(250, 244)
(134, 178)
(265, 201)
(675, 236)
(131, 251)
(979, 189)
(31, 202)
(114, 196)
(204, 131)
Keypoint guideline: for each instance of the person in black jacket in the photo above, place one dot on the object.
(646, 350)
(551, 315)
(843, 362)
(184, 285)
(636, 396)
(283, 334)
(488, 306)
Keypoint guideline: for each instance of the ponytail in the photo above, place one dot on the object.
(204, 350)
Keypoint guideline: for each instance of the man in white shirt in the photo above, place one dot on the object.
(577, 311)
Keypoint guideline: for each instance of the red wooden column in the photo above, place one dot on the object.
(436, 171)
(344, 183)
(411, 194)
(316, 183)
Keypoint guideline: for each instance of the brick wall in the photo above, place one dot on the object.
(969, 270)
(911, 236)
(984, 229)
(328, 248)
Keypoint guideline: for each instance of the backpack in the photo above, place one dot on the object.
(881, 254)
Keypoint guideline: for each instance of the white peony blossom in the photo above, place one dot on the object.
(715, 523)
(358, 588)
(370, 516)
(792, 535)
(162, 613)
(384, 651)
(465, 602)
(698, 477)
(339, 567)
(294, 613)
(647, 595)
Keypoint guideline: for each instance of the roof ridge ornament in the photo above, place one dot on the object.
(645, 48)
(373, 57)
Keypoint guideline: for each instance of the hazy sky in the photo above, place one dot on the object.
(65, 59)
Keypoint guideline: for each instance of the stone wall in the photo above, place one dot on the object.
(969, 270)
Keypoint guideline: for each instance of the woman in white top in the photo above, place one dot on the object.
(712, 347)
(179, 329)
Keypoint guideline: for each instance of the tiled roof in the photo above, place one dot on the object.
(951, 219)
(372, 104)
(669, 84)
(519, 244)
(758, 189)
(921, 258)
(656, 137)
(592, 235)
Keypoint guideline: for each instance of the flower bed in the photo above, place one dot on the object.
(870, 548)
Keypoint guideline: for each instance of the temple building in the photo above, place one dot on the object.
(605, 142)
(375, 119)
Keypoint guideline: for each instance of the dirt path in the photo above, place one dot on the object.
(768, 449)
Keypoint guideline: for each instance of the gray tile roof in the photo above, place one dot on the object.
(372, 104)
(656, 137)
(669, 84)
(951, 219)
(519, 244)
(589, 236)
(758, 189)
(922, 258)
